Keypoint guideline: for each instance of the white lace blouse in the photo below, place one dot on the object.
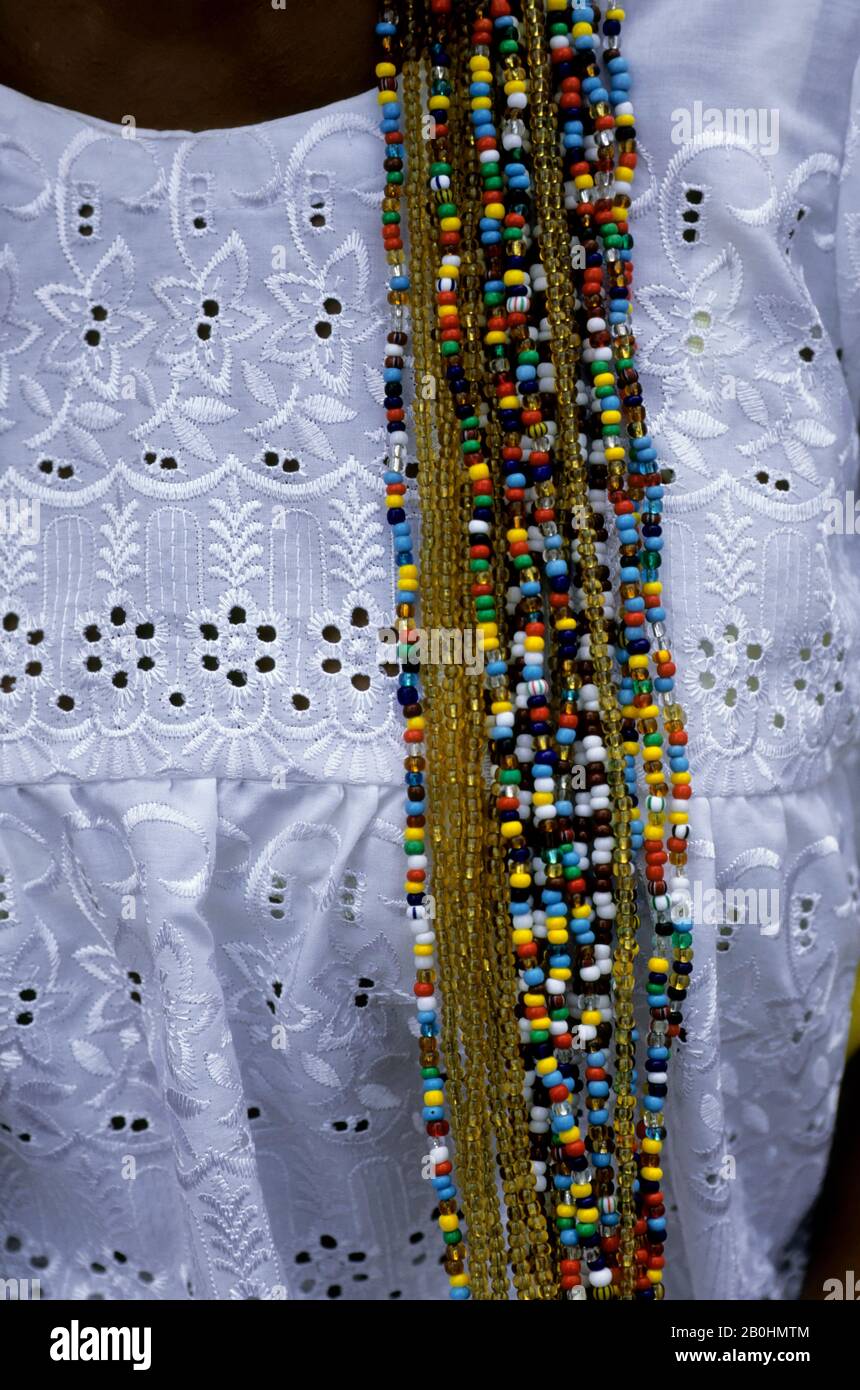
(207, 1064)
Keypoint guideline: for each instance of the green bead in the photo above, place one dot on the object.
(413, 846)
(479, 565)
(509, 46)
(446, 210)
(564, 1223)
(509, 775)
(653, 740)
(609, 430)
(522, 562)
(440, 168)
(585, 1228)
(494, 183)
(449, 349)
(540, 1036)
(470, 446)
(394, 176)
(389, 217)
(428, 1072)
(452, 1237)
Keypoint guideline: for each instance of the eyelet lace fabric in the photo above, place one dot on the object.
(206, 1047)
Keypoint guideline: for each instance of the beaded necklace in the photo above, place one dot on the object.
(531, 351)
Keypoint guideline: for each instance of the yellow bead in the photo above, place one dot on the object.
(557, 938)
(564, 1210)
(623, 174)
(439, 103)
(658, 963)
(384, 98)
(520, 880)
(450, 224)
(588, 1213)
(652, 1146)
(449, 1223)
(515, 85)
(651, 754)
(478, 472)
(655, 586)
(534, 644)
(591, 1016)
(611, 455)
(655, 1276)
(652, 1174)
(514, 277)
(434, 1097)
(678, 817)
(495, 337)
(610, 417)
(385, 70)
(520, 937)
(580, 30)
(511, 828)
(459, 1281)
(533, 1001)
(501, 707)
(495, 210)
(584, 181)
(481, 103)
(604, 379)
(416, 722)
(581, 1189)
(681, 779)
(545, 1065)
(543, 799)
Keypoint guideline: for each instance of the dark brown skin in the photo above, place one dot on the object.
(187, 64)
(210, 64)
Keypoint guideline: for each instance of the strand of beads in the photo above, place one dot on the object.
(640, 543)
(408, 694)
(508, 296)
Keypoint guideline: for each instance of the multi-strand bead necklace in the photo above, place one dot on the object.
(527, 152)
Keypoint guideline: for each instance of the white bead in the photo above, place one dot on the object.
(590, 973)
(599, 1278)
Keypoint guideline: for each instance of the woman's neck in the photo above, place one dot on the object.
(187, 64)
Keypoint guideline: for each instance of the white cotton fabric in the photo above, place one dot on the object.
(207, 1053)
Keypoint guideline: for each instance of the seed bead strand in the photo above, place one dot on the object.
(640, 539)
(433, 1111)
(592, 955)
(544, 1021)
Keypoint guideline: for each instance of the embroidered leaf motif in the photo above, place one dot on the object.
(377, 1097)
(36, 397)
(259, 383)
(699, 425)
(91, 1058)
(186, 1107)
(192, 438)
(206, 410)
(751, 402)
(86, 446)
(814, 433)
(322, 1072)
(95, 415)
